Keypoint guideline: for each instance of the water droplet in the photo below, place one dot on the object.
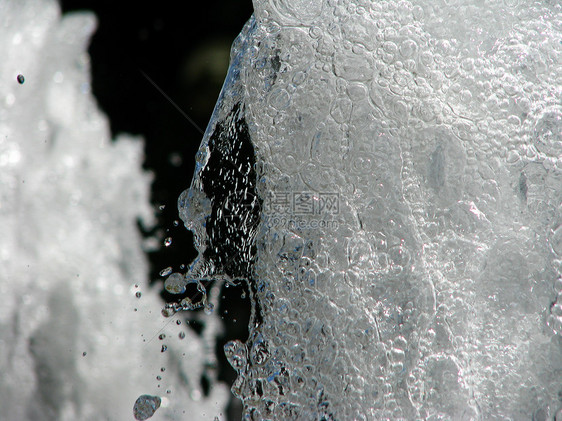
(84, 353)
(21, 79)
(161, 336)
(162, 207)
(166, 272)
(158, 378)
(181, 335)
(178, 322)
(138, 294)
(146, 406)
(176, 223)
(168, 312)
(175, 159)
(168, 242)
(235, 352)
(175, 283)
(162, 369)
(209, 308)
(164, 348)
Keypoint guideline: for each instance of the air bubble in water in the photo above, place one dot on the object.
(235, 352)
(146, 406)
(548, 133)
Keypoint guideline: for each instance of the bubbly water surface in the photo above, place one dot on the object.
(386, 176)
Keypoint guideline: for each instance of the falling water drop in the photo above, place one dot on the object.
(166, 272)
(146, 406)
(175, 283)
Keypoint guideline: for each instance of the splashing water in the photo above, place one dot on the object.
(386, 178)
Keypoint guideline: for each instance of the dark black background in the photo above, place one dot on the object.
(183, 47)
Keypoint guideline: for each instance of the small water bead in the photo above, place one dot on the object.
(146, 406)
(166, 272)
(138, 294)
(168, 311)
(20, 79)
(164, 348)
(162, 336)
(168, 242)
(209, 309)
(158, 378)
(181, 335)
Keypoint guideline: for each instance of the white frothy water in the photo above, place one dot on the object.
(79, 327)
